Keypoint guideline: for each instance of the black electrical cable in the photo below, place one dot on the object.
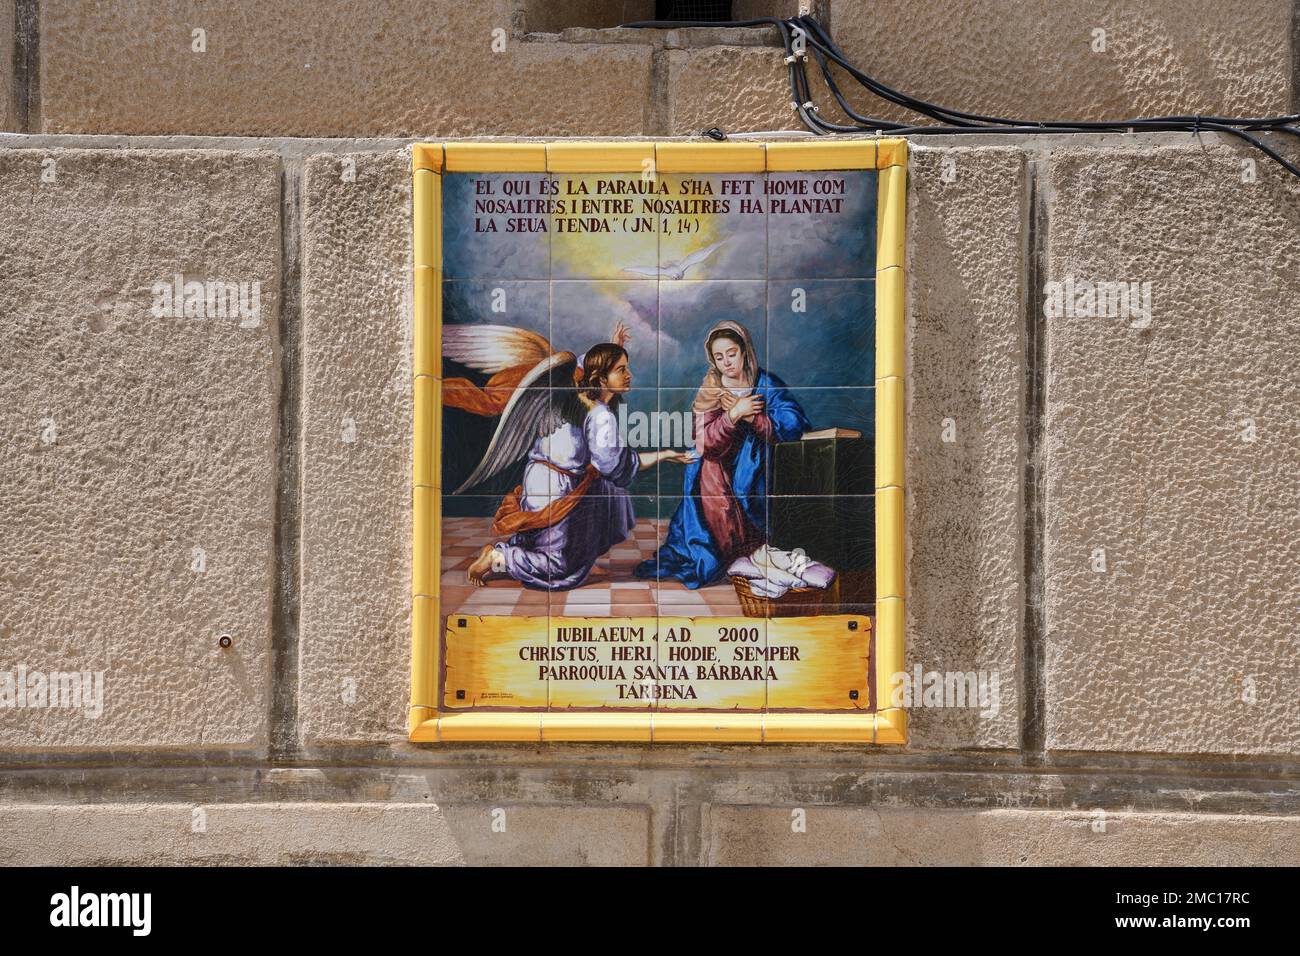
(939, 112)
(813, 38)
(811, 27)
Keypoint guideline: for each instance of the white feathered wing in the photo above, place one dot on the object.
(540, 402)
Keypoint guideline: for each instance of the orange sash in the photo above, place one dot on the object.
(511, 516)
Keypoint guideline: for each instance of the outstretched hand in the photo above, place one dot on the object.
(680, 457)
(620, 336)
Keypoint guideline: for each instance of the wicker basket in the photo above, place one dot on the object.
(792, 603)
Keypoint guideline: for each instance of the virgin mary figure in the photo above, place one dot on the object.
(740, 411)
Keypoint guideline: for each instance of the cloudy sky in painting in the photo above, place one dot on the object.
(801, 283)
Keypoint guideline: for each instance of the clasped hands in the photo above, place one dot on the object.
(739, 407)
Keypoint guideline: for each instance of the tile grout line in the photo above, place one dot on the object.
(1295, 56)
(27, 25)
(654, 116)
(285, 643)
(1033, 638)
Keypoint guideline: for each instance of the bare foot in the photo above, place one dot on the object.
(477, 571)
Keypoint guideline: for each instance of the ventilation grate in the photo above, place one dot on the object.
(715, 11)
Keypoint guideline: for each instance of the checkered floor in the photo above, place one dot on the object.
(610, 590)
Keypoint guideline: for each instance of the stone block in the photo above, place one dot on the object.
(320, 834)
(139, 433)
(428, 68)
(734, 88)
(999, 57)
(965, 469)
(866, 836)
(1172, 449)
(355, 640)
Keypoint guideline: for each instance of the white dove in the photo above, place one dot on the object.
(676, 270)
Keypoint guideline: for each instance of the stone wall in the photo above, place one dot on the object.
(214, 512)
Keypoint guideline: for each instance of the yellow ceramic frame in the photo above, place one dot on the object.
(886, 725)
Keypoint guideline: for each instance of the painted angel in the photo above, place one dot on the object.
(559, 417)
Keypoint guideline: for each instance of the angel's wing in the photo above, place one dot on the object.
(538, 405)
(695, 258)
(654, 271)
(491, 348)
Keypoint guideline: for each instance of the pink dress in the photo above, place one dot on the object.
(720, 440)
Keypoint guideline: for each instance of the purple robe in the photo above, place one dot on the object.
(561, 556)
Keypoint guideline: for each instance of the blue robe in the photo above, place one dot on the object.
(689, 552)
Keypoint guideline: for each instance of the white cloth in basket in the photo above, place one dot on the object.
(771, 573)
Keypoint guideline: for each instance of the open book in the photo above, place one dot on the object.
(831, 433)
